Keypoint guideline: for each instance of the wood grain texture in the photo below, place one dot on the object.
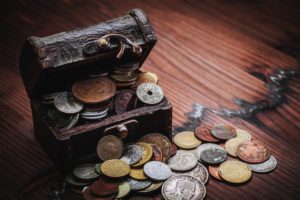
(205, 53)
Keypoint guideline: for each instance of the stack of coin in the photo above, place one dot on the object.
(125, 76)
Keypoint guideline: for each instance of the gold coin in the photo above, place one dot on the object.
(235, 171)
(153, 187)
(146, 77)
(186, 140)
(147, 154)
(124, 189)
(115, 168)
(232, 144)
(243, 134)
(137, 174)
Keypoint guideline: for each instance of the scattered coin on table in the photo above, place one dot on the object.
(253, 152)
(186, 140)
(223, 131)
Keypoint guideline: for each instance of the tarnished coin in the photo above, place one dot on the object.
(138, 185)
(161, 141)
(243, 134)
(104, 187)
(235, 171)
(186, 140)
(214, 172)
(115, 168)
(66, 103)
(253, 152)
(124, 101)
(205, 146)
(157, 154)
(173, 149)
(153, 187)
(98, 168)
(137, 174)
(213, 156)
(71, 179)
(183, 161)
(109, 147)
(157, 171)
(199, 172)
(132, 154)
(88, 195)
(149, 93)
(147, 77)
(203, 132)
(96, 90)
(223, 131)
(147, 154)
(85, 172)
(124, 189)
(183, 187)
(265, 167)
(232, 144)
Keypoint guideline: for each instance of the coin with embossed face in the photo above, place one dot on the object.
(183, 187)
(66, 103)
(85, 172)
(253, 152)
(203, 132)
(199, 172)
(223, 131)
(115, 168)
(183, 161)
(265, 167)
(149, 93)
(213, 156)
(157, 171)
(138, 185)
(109, 147)
(235, 171)
(132, 154)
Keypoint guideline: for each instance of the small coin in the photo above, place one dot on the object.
(183, 161)
(265, 167)
(153, 187)
(138, 185)
(104, 187)
(157, 171)
(147, 154)
(132, 154)
(88, 195)
(161, 141)
(199, 172)
(223, 131)
(173, 150)
(115, 168)
(124, 189)
(183, 187)
(98, 168)
(137, 174)
(85, 172)
(124, 101)
(243, 134)
(149, 93)
(232, 144)
(96, 90)
(203, 132)
(109, 147)
(66, 103)
(186, 140)
(147, 77)
(253, 152)
(235, 171)
(214, 172)
(157, 154)
(205, 146)
(71, 179)
(213, 156)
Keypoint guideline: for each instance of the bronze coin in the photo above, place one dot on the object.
(109, 147)
(173, 150)
(104, 187)
(124, 101)
(214, 172)
(203, 132)
(161, 141)
(91, 91)
(88, 195)
(157, 154)
(223, 131)
(253, 152)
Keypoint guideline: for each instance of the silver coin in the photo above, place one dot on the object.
(199, 172)
(94, 117)
(98, 168)
(94, 113)
(149, 93)
(157, 171)
(213, 156)
(51, 96)
(267, 166)
(205, 146)
(61, 120)
(132, 154)
(73, 121)
(183, 161)
(183, 187)
(86, 172)
(66, 103)
(70, 179)
(138, 185)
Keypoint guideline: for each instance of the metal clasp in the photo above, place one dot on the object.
(122, 129)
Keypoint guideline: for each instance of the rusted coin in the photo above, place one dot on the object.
(253, 152)
(265, 167)
(223, 131)
(183, 161)
(199, 172)
(149, 93)
(115, 168)
(203, 132)
(235, 171)
(186, 140)
(157, 154)
(153, 187)
(183, 187)
(213, 156)
(243, 134)
(137, 174)
(138, 185)
(205, 146)
(104, 187)
(88, 195)
(96, 90)
(85, 172)
(109, 147)
(173, 149)
(161, 141)
(124, 101)
(124, 189)
(232, 144)
(147, 77)
(214, 172)
(132, 154)
(66, 103)
(157, 171)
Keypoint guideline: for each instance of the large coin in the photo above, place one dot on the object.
(186, 140)
(223, 132)
(147, 77)
(88, 195)
(199, 172)
(109, 147)
(243, 134)
(183, 161)
(161, 141)
(138, 185)
(153, 187)
(213, 156)
(124, 189)
(115, 168)
(66, 103)
(132, 154)
(149, 93)
(253, 152)
(214, 172)
(205, 146)
(235, 171)
(91, 91)
(147, 154)
(183, 187)
(232, 144)
(85, 172)
(267, 166)
(157, 171)
(137, 174)
(124, 101)
(157, 154)
(203, 132)
(104, 187)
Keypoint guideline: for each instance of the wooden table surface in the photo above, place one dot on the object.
(213, 53)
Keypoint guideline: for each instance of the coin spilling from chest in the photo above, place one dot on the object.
(149, 93)
(235, 171)
(157, 171)
(186, 140)
(138, 184)
(223, 131)
(183, 161)
(124, 189)
(115, 168)
(199, 172)
(66, 103)
(104, 187)
(73, 181)
(253, 152)
(124, 101)
(88, 195)
(147, 77)
(138, 174)
(203, 132)
(132, 154)
(153, 187)
(264, 167)
(157, 154)
(109, 147)
(85, 172)
(147, 154)
(213, 156)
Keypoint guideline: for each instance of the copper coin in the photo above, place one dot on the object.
(223, 131)
(88, 195)
(173, 150)
(253, 152)
(157, 154)
(104, 187)
(109, 147)
(91, 91)
(124, 101)
(161, 141)
(214, 172)
(203, 132)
